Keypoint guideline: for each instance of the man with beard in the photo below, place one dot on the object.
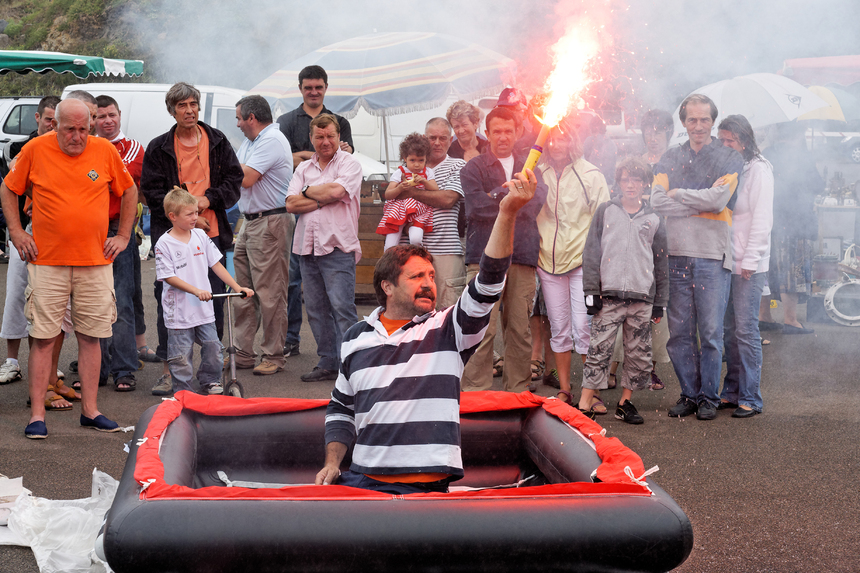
(400, 380)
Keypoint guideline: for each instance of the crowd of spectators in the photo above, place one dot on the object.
(600, 249)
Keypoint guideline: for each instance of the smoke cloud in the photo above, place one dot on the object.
(660, 51)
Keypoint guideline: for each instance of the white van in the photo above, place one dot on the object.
(17, 121)
(144, 113)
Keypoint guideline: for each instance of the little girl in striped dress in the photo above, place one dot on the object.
(399, 212)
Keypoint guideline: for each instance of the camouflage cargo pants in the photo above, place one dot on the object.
(634, 317)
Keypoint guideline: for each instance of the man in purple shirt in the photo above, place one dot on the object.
(325, 192)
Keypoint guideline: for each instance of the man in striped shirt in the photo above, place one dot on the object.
(443, 242)
(397, 393)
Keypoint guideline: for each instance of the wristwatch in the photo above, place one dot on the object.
(305, 191)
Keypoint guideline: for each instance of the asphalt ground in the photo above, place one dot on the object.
(777, 492)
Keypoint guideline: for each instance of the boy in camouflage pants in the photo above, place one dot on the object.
(625, 281)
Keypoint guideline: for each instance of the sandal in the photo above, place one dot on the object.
(656, 382)
(568, 398)
(49, 404)
(64, 391)
(587, 413)
(498, 367)
(551, 379)
(144, 353)
(613, 382)
(598, 407)
(538, 368)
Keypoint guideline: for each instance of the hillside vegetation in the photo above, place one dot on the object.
(90, 27)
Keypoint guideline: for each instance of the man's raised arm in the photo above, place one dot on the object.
(520, 191)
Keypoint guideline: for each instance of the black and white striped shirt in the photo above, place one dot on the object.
(398, 396)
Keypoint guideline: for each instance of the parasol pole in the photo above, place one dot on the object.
(385, 137)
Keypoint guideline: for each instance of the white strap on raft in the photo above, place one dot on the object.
(641, 479)
(146, 484)
(602, 432)
(141, 441)
(253, 484)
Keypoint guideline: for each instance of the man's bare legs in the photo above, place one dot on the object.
(89, 364)
(13, 346)
(39, 367)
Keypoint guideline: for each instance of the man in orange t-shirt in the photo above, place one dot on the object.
(70, 176)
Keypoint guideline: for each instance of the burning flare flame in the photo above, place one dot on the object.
(570, 76)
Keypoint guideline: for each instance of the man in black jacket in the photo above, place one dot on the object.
(198, 157)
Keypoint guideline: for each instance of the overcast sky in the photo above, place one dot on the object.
(677, 45)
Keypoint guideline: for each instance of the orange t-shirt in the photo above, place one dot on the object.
(192, 162)
(70, 198)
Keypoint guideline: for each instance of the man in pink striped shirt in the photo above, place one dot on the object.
(325, 191)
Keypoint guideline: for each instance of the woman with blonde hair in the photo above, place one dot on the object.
(465, 119)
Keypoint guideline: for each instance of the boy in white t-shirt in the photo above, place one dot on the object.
(183, 256)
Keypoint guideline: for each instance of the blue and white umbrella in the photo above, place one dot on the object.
(394, 73)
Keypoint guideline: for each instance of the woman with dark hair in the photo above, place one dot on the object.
(795, 226)
(657, 127)
(752, 220)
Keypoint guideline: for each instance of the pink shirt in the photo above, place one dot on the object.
(336, 224)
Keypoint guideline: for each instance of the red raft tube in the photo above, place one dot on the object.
(219, 483)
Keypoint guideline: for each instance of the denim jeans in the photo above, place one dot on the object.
(742, 384)
(294, 297)
(139, 318)
(294, 301)
(119, 353)
(329, 302)
(180, 349)
(353, 479)
(698, 294)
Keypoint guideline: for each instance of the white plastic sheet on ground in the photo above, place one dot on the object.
(62, 533)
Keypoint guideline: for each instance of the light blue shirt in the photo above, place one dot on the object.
(270, 155)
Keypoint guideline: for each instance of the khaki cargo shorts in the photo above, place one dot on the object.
(92, 299)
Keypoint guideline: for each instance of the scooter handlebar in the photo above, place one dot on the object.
(242, 294)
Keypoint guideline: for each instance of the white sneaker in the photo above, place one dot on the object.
(60, 375)
(9, 372)
(214, 389)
